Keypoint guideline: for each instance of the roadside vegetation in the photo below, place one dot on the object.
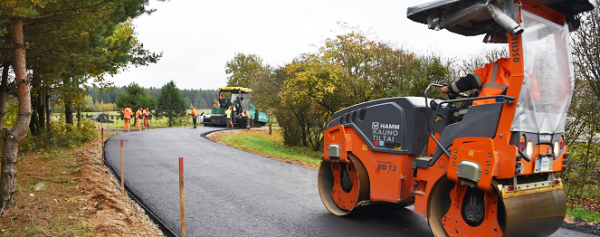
(46, 185)
(45, 190)
(260, 142)
(64, 189)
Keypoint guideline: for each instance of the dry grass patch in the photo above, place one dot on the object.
(72, 193)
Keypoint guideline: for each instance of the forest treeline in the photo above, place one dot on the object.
(199, 98)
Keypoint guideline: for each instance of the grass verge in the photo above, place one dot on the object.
(583, 213)
(259, 141)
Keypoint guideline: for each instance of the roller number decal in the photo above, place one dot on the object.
(386, 166)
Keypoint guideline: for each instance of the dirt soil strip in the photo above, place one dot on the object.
(106, 209)
(570, 222)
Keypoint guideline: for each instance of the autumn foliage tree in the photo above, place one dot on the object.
(243, 69)
(348, 69)
(582, 126)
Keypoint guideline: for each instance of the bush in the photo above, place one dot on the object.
(61, 135)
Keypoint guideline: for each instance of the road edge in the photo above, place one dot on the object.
(161, 225)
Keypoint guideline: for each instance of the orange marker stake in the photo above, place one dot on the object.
(181, 199)
(122, 171)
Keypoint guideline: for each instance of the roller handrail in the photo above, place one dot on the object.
(506, 99)
(428, 120)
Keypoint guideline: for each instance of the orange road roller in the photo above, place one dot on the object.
(472, 170)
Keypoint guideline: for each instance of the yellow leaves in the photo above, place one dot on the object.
(124, 32)
(10, 3)
(312, 80)
(38, 3)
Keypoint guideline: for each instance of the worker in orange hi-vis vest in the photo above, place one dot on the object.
(147, 115)
(138, 119)
(489, 80)
(127, 118)
(194, 115)
(247, 116)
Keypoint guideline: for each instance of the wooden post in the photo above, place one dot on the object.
(181, 198)
(122, 170)
(270, 129)
(102, 138)
(102, 144)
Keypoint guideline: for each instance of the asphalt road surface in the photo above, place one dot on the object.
(229, 192)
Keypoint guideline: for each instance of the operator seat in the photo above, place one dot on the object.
(479, 121)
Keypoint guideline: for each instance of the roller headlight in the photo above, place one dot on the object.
(556, 148)
(529, 149)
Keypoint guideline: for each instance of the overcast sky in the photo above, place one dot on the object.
(197, 38)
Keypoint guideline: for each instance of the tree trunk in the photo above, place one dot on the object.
(68, 112)
(36, 100)
(270, 129)
(48, 109)
(13, 137)
(34, 123)
(41, 110)
(78, 115)
(303, 129)
(3, 86)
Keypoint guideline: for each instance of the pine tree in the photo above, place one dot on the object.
(135, 97)
(170, 103)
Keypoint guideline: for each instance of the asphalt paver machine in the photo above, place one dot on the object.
(490, 172)
(240, 98)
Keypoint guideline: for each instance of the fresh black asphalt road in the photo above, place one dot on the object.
(229, 192)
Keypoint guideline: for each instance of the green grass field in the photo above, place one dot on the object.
(272, 145)
(155, 122)
(583, 213)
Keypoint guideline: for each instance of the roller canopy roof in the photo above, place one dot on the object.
(493, 18)
(235, 89)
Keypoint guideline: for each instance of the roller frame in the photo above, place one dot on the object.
(437, 183)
